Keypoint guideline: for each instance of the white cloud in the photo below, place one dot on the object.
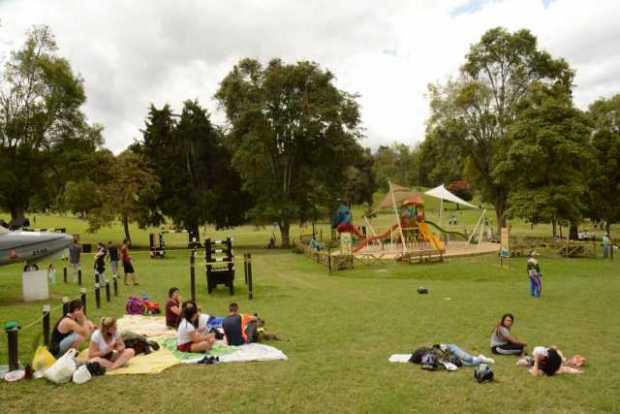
(133, 53)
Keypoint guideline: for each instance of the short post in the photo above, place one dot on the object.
(64, 270)
(83, 298)
(46, 324)
(97, 296)
(115, 281)
(65, 305)
(107, 291)
(192, 274)
(245, 267)
(12, 330)
(329, 260)
(80, 277)
(250, 285)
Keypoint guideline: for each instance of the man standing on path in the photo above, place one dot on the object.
(75, 251)
(128, 263)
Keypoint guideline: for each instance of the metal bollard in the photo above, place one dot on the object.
(250, 285)
(107, 291)
(65, 305)
(46, 324)
(115, 279)
(245, 267)
(192, 275)
(97, 296)
(80, 277)
(12, 330)
(83, 298)
(64, 271)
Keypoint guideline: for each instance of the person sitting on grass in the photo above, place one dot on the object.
(189, 339)
(502, 342)
(173, 308)
(239, 328)
(107, 347)
(70, 330)
(550, 361)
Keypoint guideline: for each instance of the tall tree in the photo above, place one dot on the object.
(293, 134)
(604, 176)
(397, 163)
(198, 184)
(40, 100)
(496, 76)
(548, 157)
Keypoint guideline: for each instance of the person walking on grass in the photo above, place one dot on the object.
(502, 341)
(100, 264)
(114, 259)
(128, 263)
(75, 251)
(533, 271)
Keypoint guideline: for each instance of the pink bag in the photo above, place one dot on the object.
(135, 306)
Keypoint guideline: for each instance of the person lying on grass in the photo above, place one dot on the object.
(502, 341)
(239, 328)
(461, 357)
(107, 347)
(189, 339)
(550, 361)
(70, 330)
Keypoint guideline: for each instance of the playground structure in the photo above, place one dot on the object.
(219, 261)
(157, 245)
(409, 237)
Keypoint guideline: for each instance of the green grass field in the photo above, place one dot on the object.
(340, 329)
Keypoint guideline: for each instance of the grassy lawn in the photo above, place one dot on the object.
(340, 329)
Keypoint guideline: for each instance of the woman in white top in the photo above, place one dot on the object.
(189, 337)
(107, 347)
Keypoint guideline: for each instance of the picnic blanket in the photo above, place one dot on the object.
(149, 326)
(400, 357)
(243, 353)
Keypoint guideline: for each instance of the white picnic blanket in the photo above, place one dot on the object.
(254, 352)
(400, 357)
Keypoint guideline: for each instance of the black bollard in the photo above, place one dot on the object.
(12, 329)
(83, 298)
(97, 296)
(80, 277)
(245, 267)
(65, 305)
(115, 279)
(64, 271)
(250, 285)
(192, 274)
(46, 325)
(107, 291)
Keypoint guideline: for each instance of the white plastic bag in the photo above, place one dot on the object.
(63, 368)
(82, 375)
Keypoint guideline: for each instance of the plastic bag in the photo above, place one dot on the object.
(82, 375)
(63, 368)
(43, 359)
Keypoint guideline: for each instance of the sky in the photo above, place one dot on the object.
(135, 53)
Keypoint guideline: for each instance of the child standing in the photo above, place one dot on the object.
(51, 274)
(533, 271)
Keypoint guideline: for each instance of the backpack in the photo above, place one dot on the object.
(483, 373)
(429, 361)
(135, 306)
(151, 307)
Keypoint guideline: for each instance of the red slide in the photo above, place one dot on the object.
(365, 242)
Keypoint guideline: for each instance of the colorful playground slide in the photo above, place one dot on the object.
(364, 242)
(441, 229)
(435, 241)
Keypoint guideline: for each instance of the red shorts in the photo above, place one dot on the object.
(185, 347)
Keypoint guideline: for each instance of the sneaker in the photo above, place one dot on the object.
(486, 360)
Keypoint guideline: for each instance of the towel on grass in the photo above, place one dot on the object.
(243, 353)
(149, 326)
(400, 358)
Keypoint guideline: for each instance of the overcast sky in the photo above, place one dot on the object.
(135, 52)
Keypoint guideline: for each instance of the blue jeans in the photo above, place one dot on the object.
(466, 358)
(66, 343)
(535, 285)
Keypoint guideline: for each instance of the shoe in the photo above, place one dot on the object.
(486, 360)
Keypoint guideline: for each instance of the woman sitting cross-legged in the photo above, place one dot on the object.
(107, 347)
(189, 338)
(502, 341)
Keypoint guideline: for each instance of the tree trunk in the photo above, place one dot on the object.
(126, 228)
(608, 228)
(500, 214)
(17, 213)
(285, 227)
(573, 231)
(554, 227)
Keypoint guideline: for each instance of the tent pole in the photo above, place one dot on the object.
(441, 212)
(400, 229)
(476, 227)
